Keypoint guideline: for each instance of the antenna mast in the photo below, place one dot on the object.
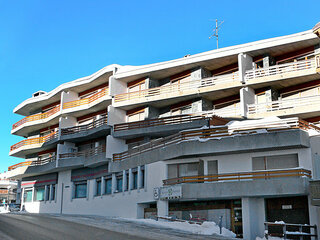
(216, 31)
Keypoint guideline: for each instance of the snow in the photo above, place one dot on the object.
(280, 222)
(269, 238)
(207, 228)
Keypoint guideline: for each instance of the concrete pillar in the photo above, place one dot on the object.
(139, 177)
(116, 86)
(268, 61)
(22, 199)
(103, 186)
(67, 121)
(33, 192)
(115, 145)
(200, 73)
(124, 181)
(151, 112)
(162, 208)
(313, 214)
(201, 105)
(50, 192)
(130, 186)
(140, 210)
(245, 63)
(114, 183)
(151, 83)
(115, 115)
(247, 96)
(68, 97)
(253, 217)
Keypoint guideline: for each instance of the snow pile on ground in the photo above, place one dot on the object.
(4, 211)
(207, 228)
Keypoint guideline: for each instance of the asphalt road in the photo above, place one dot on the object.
(34, 227)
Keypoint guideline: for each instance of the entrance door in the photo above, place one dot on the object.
(236, 217)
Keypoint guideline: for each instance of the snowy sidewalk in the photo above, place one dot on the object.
(143, 228)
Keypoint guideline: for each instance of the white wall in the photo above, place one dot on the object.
(116, 86)
(116, 115)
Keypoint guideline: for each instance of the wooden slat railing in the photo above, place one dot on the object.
(158, 122)
(87, 153)
(176, 87)
(22, 164)
(216, 132)
(280, 69)
(283, 104)
(36, 117)
(32, 141)
(87, 100)
(264, 174)
(95, 124)
(32, 163)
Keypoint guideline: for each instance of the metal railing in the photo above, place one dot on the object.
(33, 163)
(159, 122)
(86, 153)
(22, 164)
(240, 176)
(176, 87)
(283, 104)
(280, 69)
(85, 101)
(95, 124)
(36, 117)
(289, 230)
(33, 141)
(215, 132)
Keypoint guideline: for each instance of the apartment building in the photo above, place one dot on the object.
(231, 132)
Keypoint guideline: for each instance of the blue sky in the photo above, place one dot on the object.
(46, 43)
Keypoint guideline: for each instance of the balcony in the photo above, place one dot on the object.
(26, 146)
(299, 69)
(33, 163)
(304, 106)
(87, 153)
(87, 103)
(27, 124)
(267, 183)
(160, 126)
(89, 131)
(240, 176)
(215, 132)
(190, 88)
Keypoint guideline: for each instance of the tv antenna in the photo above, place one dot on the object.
(216, 31)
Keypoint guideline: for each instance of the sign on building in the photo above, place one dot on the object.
(167, 193)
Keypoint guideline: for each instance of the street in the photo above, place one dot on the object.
(45, 226)
(34, 227)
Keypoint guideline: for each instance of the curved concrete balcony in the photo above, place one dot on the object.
(304, 107)
(95, 129)
(36, 121)
(91, 104)
(183, 90)
(284, 182)
(32, 145)
(297, 72)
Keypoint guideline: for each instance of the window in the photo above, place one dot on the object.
(127, 181)
(47, 193)
(28, 195)
(80, 190)
(182, 170)
(108, 185)
(275, 162)
(53, 192)
(119, 183)
(98, 187)
(39, 193)
(135, 179)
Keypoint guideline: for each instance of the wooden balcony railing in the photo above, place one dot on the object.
(280, 69)
(284, 104)
(87, 153)
(176, 88)
(36, 117)
(158, 122)
(22, 164)
(95, 124)
(215, 132)
(32, 163)
(32, 141)
(87, 100)
(240, 176)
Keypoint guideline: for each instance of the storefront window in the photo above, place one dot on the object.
(81, 190)
(119, 183)
(108, 186)
(39, 193)
(98, 187)
(28, 195)
(53, 192)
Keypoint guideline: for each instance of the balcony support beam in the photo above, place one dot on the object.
(245, 63)
(247, 96)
